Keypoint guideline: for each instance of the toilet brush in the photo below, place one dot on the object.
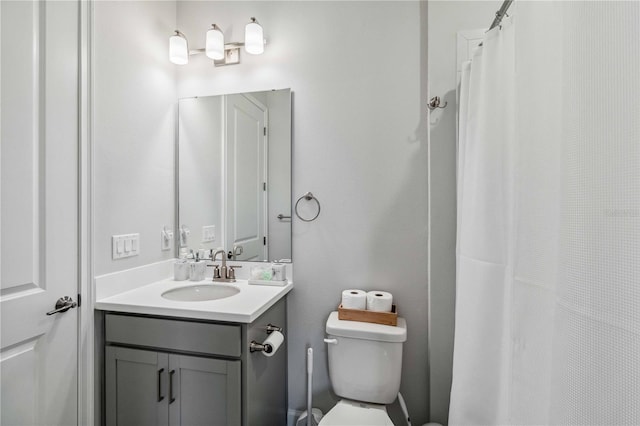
(316, 415)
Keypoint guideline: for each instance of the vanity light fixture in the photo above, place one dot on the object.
(215, 48)
(253, 38)
(178, 49)
(215, 43)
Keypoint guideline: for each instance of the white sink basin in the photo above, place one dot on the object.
(201, 292)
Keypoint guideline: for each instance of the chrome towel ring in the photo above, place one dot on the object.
(308, 196)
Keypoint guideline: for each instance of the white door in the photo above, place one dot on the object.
(38, 212)
(246, 178)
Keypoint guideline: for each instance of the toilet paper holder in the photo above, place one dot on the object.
(259, 347)
(271, 328)
(262, 347)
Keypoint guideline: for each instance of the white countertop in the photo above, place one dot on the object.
(245, 307)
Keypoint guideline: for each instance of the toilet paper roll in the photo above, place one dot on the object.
(379, 301)
(274, 341)
(354, 299)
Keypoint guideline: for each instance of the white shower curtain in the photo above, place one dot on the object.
(548, 253)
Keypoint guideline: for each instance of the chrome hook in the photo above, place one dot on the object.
(435, 103)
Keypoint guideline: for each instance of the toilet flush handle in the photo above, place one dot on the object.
(331, 341)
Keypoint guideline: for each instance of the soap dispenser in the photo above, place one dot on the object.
(197, 268)
(181, 267)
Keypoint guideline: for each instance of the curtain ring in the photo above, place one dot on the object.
(308, 196)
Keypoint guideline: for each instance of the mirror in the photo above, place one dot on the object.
(234, 174)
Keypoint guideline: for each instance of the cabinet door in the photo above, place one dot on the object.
(204, 391)
(136, 387)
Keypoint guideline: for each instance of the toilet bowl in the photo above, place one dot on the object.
(354, 413)
(365, 364)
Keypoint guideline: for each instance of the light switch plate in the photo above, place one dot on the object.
(125, 245)
(208, 233)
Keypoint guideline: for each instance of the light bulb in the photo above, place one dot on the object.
(215, 43)
(253, 38)
(178, 49)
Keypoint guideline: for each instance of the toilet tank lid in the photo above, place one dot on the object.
(366, 330)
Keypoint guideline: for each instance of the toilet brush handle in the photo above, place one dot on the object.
(309, 386)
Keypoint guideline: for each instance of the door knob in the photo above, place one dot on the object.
(63, 305)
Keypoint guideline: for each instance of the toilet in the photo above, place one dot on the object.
(365, 362)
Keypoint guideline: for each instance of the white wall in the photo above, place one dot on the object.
(134, 99)
(359, 146)
(446, 18)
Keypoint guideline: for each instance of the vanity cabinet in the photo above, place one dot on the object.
(178, 371)
(156, 388)
(132, 377)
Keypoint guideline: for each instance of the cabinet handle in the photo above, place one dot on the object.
(160, 396)
(171, 398)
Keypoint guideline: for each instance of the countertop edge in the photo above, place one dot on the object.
(254, 316)
(193, 314)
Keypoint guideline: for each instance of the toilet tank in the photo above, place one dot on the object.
(365, 362)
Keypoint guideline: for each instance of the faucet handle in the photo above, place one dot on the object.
(216, 270)
(232, 273)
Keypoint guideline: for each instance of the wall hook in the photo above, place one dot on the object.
(435, 103)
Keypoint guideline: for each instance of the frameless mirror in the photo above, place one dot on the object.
(234, 174)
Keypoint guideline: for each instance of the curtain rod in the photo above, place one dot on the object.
(501, 13)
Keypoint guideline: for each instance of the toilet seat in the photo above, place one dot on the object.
(353, 413)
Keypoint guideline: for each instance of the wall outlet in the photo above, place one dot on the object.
(208, 233)
(166, 239)
(126, 245)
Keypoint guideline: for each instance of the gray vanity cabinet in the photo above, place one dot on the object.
(162, 371)
(156, 388)
(134, 388)
(206, 391)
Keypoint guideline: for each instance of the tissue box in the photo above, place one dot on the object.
(384, 318)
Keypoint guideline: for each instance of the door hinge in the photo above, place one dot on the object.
(264, 240)
(264, 131)
(264, 186)
(79, 300)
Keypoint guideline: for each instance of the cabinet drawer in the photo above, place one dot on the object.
(215, 339)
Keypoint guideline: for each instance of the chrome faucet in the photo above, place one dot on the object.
(222, 273)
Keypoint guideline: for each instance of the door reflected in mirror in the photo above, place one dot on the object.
(234, 174)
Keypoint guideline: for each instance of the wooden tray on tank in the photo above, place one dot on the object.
(384, 318)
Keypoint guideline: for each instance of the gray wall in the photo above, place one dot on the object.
(359, 146)
(446, 18)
